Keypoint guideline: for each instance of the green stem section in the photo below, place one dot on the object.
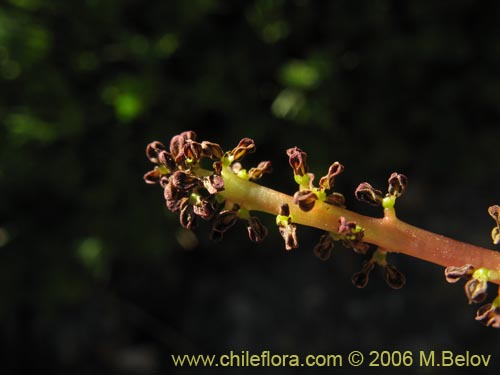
(388, 233)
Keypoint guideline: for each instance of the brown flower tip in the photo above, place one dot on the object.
(352, 235)
(305, 199)
(289, 235)
(298, 161)
(153, 149)
(360, 279)
(489, 315)
(257, 172)
(327, 182)
(184, 181)
(368, 194)
(323, 250)
(494, 212)
(257, 232)
(393, 277)
(286, 228)
(475, 290)
(397, 184)
(453, 274)
(222, 223)
(211, 150)
(244, 147)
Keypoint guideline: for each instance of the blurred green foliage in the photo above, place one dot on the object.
(97, 276)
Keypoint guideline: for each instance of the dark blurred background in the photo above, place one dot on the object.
(96, 276)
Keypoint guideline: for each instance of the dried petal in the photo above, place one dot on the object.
(453, 274)
(173, 196)
(257, 172)
(305, 199)
(284, 210)
(224, 221)
(494, 212)
(327, 182)
(489, 315)
(217, 166)
(393, 277)
(187, 216)
(184, 181)
(153, 149)
(257, 232)
(360, 279)
(475, 290)
(297, 159)
(212, 150)
(152, 177)
(397, 184)
(346, 227)
(289, 234)
(368, 194)
(495, 235)
(323, 250)
(245, 146)
(205, 208)
(213, 183)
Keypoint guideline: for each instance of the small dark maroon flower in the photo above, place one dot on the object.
(184, 181)
(213, 183)
(244, 147)
(336, 199)
(222, 223)
(298, 161)
(489, 315)
(327, 182)
(368, 194)
(212, 150)
(257, 172)
(323, 250)
(397, 184)
(393, 277)
(453, 274)
(257, 232)
(360, 279)
(476, 290)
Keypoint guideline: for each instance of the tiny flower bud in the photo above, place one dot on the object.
(475, 290)
(297, 159)
(257, 172)
(305, 199)
(453, 274)
(489, 315)
(397, 184)
(323, 250)
(257, 232)
(366, 193)
(360, 279)
(327, 182)
(393, 277)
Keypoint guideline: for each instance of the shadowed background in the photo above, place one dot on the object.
(97, 276)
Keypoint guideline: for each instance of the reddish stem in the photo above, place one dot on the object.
(389, 233)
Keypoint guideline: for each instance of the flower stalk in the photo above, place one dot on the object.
(227, 194)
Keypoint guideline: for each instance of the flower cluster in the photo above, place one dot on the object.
(193, 192)
(397, 184)
(476, 290)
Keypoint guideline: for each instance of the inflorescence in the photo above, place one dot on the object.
(195, 191)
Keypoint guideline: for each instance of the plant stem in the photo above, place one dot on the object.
(388, 233)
